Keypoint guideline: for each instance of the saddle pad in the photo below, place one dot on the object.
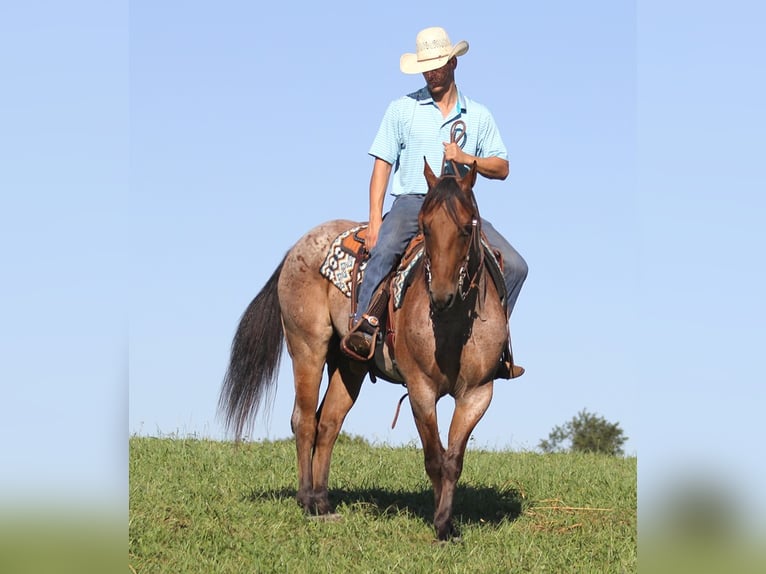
(400, 282)
(338, 266)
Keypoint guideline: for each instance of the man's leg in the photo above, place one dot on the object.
(514, 267)
(399, 226)
(515, 273)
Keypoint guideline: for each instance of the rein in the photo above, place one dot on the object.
(474, 245)
(457, 135)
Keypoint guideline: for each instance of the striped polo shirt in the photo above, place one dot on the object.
(413, 127)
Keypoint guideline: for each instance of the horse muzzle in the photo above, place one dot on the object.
(441, 302)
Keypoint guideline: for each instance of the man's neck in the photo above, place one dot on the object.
(446, 100)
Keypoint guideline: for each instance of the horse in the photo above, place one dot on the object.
(449, 331)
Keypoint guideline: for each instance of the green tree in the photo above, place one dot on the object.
(586, 432)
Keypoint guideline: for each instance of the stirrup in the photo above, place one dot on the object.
(507, 369)
(367, 328)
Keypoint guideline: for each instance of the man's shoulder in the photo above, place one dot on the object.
(403, 106)
(418, 95)
(411, 99)
(472, 105)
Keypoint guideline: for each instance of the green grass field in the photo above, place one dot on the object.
(217, 507)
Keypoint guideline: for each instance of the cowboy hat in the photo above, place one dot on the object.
(434, 49)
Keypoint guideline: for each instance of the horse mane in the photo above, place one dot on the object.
(448, 193)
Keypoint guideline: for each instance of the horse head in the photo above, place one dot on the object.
(451, 226)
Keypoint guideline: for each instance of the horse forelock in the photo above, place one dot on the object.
(448, 194)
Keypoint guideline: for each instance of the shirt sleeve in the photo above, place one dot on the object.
(388, 140)
(490, 143)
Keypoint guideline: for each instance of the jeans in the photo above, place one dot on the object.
(400, 225)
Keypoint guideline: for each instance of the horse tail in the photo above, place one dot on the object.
(255, 354)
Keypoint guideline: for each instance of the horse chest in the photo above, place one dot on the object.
(455, 351)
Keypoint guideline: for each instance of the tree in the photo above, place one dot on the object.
(586, 432)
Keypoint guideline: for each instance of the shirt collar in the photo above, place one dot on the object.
(423, 97)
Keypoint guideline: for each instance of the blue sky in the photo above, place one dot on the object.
(242, 141)
(159, 159)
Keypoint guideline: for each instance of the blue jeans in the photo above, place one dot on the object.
(400, 225)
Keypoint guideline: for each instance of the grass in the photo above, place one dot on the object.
(205, 506)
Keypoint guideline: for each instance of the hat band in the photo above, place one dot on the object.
(433, 58)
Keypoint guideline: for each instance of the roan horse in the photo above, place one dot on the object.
(450, 331)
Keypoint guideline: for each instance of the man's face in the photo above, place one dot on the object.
(440, 79)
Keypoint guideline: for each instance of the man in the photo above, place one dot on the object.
(415, 126)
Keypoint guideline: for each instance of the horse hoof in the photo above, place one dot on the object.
(446, 541)
(449, 533)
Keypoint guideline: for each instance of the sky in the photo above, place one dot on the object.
(242, 141)
(159, 158)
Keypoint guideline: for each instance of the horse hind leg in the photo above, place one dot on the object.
(345, 382)
(308, 362)
(468, 411)
(304, 426)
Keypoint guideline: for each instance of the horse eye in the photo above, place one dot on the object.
(426, 231)
(467, 229)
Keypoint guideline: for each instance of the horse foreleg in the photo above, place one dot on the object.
(423, 402)
(342, 392)
(469, 409)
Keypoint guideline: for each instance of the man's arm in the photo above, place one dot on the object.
(381, 171)
(489, 167)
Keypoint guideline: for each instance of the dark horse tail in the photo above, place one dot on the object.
(255, 354)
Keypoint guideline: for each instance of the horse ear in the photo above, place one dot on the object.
(431, 179)
(469, 180)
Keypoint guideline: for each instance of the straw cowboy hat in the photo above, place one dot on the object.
(434, 49)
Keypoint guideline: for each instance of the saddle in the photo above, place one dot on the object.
(344, 267)
(347, 258)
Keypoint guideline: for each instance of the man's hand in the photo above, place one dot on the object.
(453, 152)
(372, 234)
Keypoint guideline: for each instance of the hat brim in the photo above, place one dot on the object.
(409, 63)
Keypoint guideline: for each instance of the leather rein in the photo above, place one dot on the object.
(457, 135)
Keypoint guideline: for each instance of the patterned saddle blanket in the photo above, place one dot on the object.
(340, 265)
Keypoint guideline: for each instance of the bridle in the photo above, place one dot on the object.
(465, 281)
